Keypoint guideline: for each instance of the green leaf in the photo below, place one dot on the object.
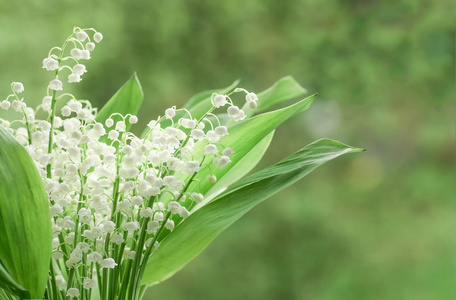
(284, 89)
(193, 235)
(8, 283)
(243, 137)
(25, 221)
(241, 168)
(127, 100)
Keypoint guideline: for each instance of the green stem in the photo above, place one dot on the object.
(51, 131)
(148, 252)
(151, 246)
(53, 282)
(139, 248)
(54, 100)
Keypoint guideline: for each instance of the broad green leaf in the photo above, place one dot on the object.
(243, 137)
(241, 168)
(25, 221)
(127, 100)
(236, 171)
(194, 234)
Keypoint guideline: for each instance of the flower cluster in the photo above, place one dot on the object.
(111, 193)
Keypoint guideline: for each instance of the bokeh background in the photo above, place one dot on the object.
(376, 225)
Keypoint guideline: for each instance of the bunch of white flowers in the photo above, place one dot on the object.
(112, 194)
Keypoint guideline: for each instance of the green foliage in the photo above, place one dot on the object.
(243, 137)
(191, 237)
(242, 167)
(25, 221)
(7, 283)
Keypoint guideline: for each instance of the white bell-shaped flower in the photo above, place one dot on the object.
(18, 87)
(81, 36)
(210, 149)
(170, 112)
(169, 224)
(221, 161)
(220, 100)
(73, 292)
(74, 78)
(227, 151)
(251, 97)
(56, 85)
(79, 69)
(50, 64)
(5, 104)
(108, 263)
(90, 46)
(76, 53)
(221, 130)
(197, 197)
(133, 119)
(97, 37)
(89, 283)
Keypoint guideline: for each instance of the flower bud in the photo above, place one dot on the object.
(133, 119)
(211, 178)
(66, 111)
(5, 104)
(97, 37)
(252, 104)
(109, 122)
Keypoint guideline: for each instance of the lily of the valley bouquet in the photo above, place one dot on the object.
(88, 210)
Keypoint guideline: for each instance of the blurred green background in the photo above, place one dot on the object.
(376, 225)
